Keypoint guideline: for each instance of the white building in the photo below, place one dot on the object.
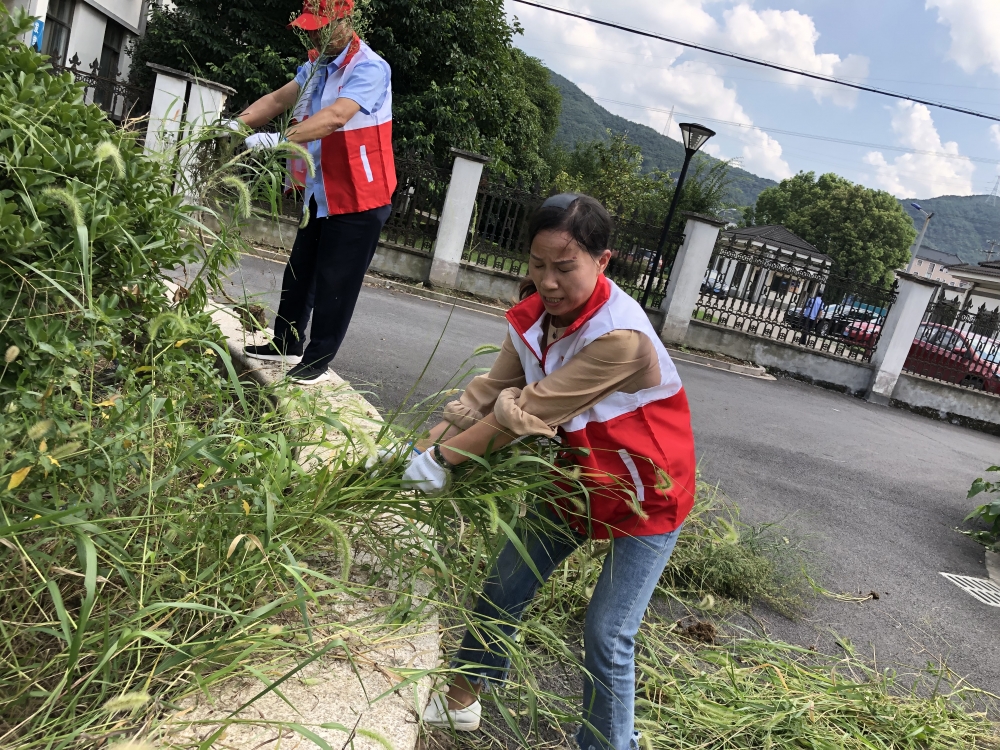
(92, 33)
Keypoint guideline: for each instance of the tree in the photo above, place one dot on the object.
(458, 81)
(611, 171)
(865, 231)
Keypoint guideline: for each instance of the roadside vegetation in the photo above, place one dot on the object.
(160, 534)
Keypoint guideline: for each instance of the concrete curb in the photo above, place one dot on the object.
(334, 691)
(752, 371)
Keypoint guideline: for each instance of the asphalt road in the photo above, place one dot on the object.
(875, 493)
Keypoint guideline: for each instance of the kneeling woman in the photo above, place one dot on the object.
(580, 362)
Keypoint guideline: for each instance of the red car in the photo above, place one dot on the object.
(944, 353)
(955, 356)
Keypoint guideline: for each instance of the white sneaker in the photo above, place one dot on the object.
(464, 719)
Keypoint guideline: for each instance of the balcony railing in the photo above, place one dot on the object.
(121, 100)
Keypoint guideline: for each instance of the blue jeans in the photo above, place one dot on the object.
(631, 571)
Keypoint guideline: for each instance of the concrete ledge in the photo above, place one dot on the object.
(815, 367)
(947, 402)
(401, 262)
(719, 364)
(488, 282)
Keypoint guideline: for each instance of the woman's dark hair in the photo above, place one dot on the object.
(583, 218)
(580, 216)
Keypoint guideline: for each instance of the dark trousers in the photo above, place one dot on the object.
(808, 327)
(324, 277)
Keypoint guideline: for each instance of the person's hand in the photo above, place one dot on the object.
(235, 125)
(425, 474)
(390, 453)
(263, 141)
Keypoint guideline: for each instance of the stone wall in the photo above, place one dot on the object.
(823, 369)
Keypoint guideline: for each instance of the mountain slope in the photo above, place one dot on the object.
(583, 119)
(962, 224)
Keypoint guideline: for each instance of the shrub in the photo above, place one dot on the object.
(988, 514)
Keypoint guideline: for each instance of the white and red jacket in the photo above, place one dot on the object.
(355, 169)
(636, 450)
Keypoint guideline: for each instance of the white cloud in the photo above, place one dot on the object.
(789, 38)
(651, 74)
(995, 134)
(975, 29)
(921, 175)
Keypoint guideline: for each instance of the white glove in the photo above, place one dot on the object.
(390, 453)
(262, 141)
(234, 125)
(425, 474)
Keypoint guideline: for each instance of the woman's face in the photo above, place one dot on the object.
(564, 273)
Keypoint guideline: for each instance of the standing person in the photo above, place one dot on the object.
(346, 122)
(580, 363)
(810, 313)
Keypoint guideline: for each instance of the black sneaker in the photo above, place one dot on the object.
(271, 353)
(309, 374)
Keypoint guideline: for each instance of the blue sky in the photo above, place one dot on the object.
(941, 50)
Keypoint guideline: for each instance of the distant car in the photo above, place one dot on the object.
(945, 353)
(714, 284)
(864, 332)
(834, 320)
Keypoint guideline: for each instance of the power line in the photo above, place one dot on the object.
(831, 139)
(755, 61)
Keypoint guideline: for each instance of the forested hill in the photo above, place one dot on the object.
(962, 224)
(583, 119)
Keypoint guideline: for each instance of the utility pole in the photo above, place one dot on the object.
(670, 119)
(992, 197)
(920, 238)
(993, 248)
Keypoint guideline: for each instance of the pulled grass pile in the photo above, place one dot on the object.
(706, 681)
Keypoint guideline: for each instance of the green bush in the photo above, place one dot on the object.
(987, 513)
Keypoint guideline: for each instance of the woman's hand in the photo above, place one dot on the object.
(425, 474)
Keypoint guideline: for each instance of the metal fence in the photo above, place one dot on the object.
(498, 235)
(778, 294)
(416, 204)
(959, 346)
(498, 239)
(119, 99)
(633, 249)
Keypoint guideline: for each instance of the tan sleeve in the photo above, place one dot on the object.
(481, 394)
(621, 361)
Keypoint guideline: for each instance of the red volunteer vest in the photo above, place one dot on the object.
(635, 450)
(357, 164)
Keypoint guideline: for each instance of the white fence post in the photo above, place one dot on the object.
(182, 104)
(898, 332)
(700, 235)
(453, 229)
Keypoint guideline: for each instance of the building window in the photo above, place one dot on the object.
(920, 262)
(58, 20)
(111, 50)
(931, 269)
(111, 53)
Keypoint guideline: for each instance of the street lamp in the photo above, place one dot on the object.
(920, 237)
(694, 136)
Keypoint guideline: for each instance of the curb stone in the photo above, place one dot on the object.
(334, 690)
(753, 371)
